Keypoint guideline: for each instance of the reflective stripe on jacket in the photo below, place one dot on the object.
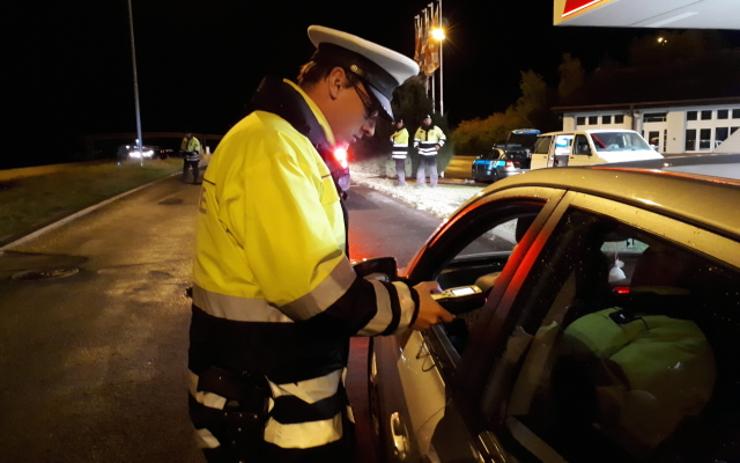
(427, 140)
(274, 293)
(400, 140)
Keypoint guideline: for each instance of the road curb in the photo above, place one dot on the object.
(80, 213)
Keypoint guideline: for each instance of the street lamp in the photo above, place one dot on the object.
(438, 35)
(139, 140)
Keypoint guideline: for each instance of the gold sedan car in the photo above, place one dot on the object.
(599, 321)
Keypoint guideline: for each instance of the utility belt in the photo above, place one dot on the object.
(233, 407)
(192, 156)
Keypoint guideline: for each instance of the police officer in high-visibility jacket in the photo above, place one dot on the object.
(400, 140)
(428, 140)
(190, 149)
(275, 298)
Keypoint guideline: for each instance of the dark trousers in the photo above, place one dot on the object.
(190, 165)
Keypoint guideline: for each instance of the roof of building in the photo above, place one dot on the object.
(649, 104)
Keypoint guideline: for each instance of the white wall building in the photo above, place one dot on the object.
(674, 127)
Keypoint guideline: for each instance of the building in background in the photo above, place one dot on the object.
(673, 127)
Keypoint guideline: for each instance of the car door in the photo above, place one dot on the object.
(582, 152)
(412, 398)
(541, 154)
(620, 343)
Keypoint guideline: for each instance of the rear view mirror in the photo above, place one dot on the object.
(384, 268)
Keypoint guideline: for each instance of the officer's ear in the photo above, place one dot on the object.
(336, 81)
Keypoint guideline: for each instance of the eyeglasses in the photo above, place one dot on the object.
(372, 107)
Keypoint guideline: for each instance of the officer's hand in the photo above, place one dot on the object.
(430, 312)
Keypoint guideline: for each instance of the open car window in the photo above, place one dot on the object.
(479, 263)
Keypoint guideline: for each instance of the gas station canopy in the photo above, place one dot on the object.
(680, 14)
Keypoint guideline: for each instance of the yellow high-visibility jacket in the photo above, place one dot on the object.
(427, 141)
(400, 140)
(274, 293)
(192, 148)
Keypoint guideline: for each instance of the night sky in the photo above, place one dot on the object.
(200, 61)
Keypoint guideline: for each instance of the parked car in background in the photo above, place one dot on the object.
(125, 152)
(507, 159)
(597, 321)
(590, 147)
(498, 164)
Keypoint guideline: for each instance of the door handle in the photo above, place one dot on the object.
(400, 439)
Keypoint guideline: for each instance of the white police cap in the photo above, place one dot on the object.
(381, 68)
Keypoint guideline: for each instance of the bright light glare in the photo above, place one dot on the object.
(136, 154)
(438, 34)
(340, 154)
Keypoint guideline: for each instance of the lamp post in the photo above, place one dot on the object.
(439, 35)
(139, 139)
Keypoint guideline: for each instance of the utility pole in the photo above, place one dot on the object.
(139, 140)
(441, 65)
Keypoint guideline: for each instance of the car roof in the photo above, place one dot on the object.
(706, 200)
(575, 132)
(525, 131)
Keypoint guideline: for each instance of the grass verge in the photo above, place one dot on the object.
(31, 202)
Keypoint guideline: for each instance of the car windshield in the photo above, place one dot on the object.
(618, 141)
(525, 140)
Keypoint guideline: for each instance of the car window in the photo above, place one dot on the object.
(491, 155)
(581, 145)
(562, 144)
(542, 146)
(623, 348)
(480, 263)
(618, 141)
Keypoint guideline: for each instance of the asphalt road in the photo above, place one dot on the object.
(93, 363)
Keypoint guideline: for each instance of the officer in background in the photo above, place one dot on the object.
(190, 149)
(275, 298)
(428, 140)
(400, 140)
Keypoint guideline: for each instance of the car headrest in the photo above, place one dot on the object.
(661, 266)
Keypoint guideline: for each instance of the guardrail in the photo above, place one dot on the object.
(460, 166)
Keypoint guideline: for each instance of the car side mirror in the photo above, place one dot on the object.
(384, 268)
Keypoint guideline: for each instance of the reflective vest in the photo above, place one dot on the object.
(427, 140)
(191, 148)
(274, 294)
(654, 371)
(400, 140)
